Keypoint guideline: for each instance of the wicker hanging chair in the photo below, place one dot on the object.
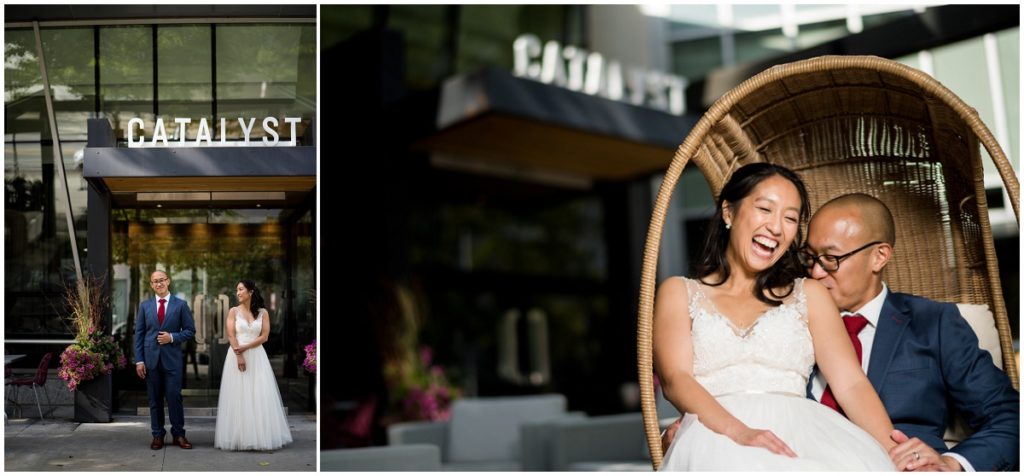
(856, 124)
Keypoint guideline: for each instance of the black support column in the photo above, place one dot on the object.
(94, 400)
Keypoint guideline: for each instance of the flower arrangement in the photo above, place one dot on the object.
(310, 362)
(427, 394)
(93, 353)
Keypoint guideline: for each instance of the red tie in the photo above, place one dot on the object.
(160, 316)
(854, 324)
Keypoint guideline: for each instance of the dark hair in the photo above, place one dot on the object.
(787, 268)
(256, 302)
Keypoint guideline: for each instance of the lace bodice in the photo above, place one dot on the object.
(245, 332)
(774, 354)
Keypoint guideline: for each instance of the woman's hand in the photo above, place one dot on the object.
(238, 350)
(747, 436)
(241, 363)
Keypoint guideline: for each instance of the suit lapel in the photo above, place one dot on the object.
(892, 322)
(171, 305)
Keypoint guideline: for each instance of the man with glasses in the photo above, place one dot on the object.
(920, 355)
(161, 326)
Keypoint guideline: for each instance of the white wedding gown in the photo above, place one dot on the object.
(759, 375)
(250, 415)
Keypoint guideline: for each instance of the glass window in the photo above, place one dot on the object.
(425, 30)
(871, 21)
(38, 259)
(184, 76)
(758, 45)
(696, 58)
(276, 80)
(69, 65)
(486, 32)
(126, 76)
(818, 33)
(339, 22)
(1008, 42)
(685, 17)
(962, 68)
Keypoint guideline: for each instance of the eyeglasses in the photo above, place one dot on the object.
(830, 263)
(159, 281)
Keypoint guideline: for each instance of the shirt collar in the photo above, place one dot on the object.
(873, 309)
(158, 298)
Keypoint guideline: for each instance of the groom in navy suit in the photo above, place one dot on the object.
(921, 356)
(161, 326)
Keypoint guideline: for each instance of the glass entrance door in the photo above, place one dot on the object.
(206, 252)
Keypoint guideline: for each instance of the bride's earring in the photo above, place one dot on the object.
(728, 226)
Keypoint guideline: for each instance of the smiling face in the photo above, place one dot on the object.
(160, 282)
(242, 293)
(763, 224)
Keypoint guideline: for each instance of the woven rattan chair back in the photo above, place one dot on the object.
(856, 124)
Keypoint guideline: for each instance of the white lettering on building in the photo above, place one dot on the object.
(136, 133)
(589, 72)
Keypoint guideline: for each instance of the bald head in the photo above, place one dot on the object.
(874, 218)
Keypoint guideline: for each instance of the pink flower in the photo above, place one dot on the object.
(426, 355)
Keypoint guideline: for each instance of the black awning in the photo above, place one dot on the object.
(494, 118)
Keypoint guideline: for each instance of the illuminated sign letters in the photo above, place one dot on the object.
(204, 137)
(589, 72)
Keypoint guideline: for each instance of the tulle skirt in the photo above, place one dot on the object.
(822, 439)
(250, 415)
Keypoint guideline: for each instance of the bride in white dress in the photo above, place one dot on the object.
(734, 348)
(250, 415)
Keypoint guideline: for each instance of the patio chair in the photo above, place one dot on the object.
(37, 380)
(418, 457)
(484, 433)
(857, 124)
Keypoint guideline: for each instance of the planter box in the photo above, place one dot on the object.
(94, 400)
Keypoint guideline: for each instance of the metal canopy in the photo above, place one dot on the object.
(224, 176)
(493, 121)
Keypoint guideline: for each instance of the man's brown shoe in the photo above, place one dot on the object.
(183, 442)
(158, 443)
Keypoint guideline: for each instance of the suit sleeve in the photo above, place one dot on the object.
(188, 326)
(140, 336)
(984, 395)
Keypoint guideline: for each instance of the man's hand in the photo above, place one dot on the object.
(670, 434)
(911, 454)
(163, 338)
(140, 370)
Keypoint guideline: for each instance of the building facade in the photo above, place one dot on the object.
(516, 151)
(178, 138)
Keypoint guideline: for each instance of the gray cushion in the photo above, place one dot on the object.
(482, 466)
(487, 429)
(382, 458)
(638, 465)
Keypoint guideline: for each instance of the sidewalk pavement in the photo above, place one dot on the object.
(123, 445)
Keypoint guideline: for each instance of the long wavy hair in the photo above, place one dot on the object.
(781, 274)
(256, 301)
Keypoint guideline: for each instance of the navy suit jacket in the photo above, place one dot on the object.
(925, 362)
(177, 321)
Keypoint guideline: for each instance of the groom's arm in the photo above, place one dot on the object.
(140, 336)
(188, 326)
(984, 395)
